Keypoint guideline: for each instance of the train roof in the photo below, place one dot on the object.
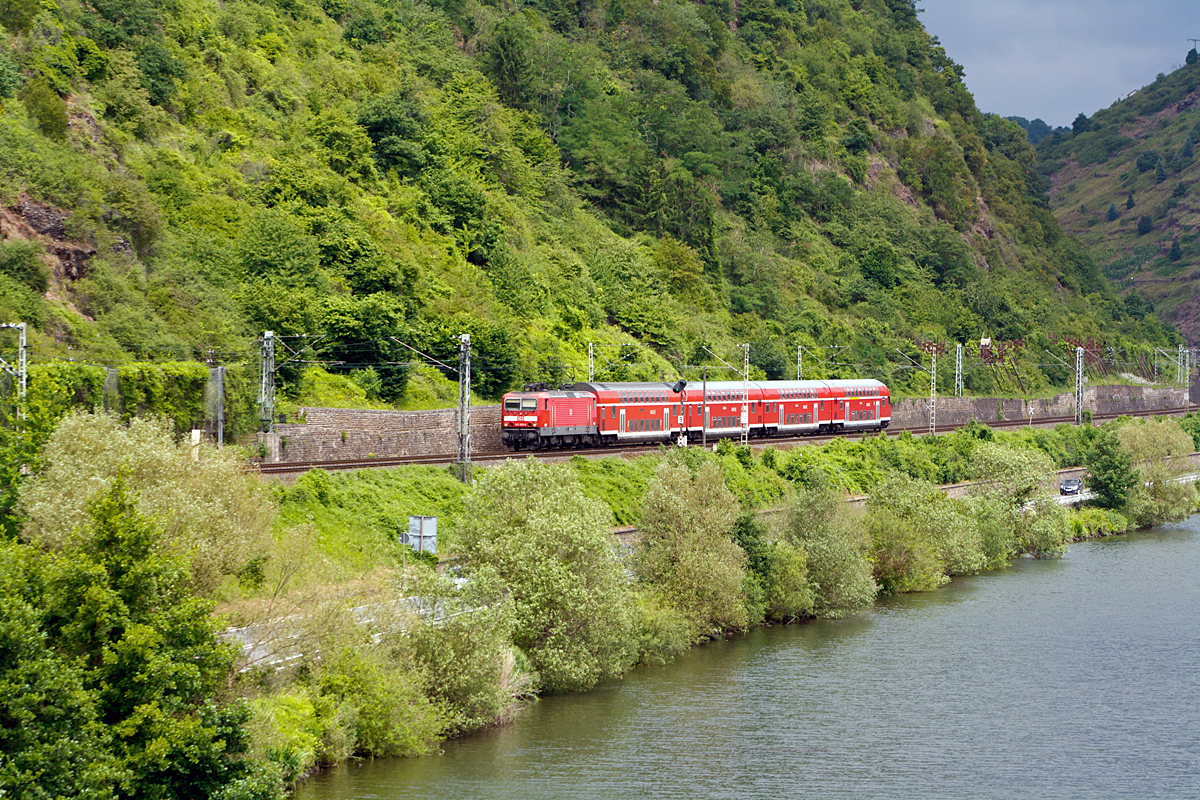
(718, 386)
(626, 387)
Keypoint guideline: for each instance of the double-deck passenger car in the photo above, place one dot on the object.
(591, 414)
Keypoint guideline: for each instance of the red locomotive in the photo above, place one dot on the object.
(597, 414)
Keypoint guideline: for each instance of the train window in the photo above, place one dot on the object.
(546, 406)
(529, 403)
(512, 404)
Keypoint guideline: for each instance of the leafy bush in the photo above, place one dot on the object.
(468, 661)
(686, 552)
(529, 529)
(211, 512)
(836, 549)
(391, 714)
(21, 261)
(47, 110)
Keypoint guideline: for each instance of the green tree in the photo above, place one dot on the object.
(1192, 57)
(1129, 201)
(835, 547)
(530, 529)
(1112, 212)
(509, 61)
(1110, 473)
(1158, 448)
(274, 247)
(881, 264)
(1015, 473)
(1145, 225)
(51, 742)
(687, 554)
(18, 15)
(1175, 253)
(46, 108)
(119, 602)
(10, 76)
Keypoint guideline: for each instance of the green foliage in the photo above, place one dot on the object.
(391, 715)
(10, 76)
(172, 390)
(836, 549)
(1147, 161)
(1014, 473)
(686, 552)
(47, 110)
(470, 667)
(21, 261)
(18, 15)
(358, 516)
(209, 510)
(1110, 472)
(620, 483)
(663, 632)
(1093, 523)
(366, 172)
(51, 741)
(1157, 447)
(531, 530)
(117, 601)
(1043, 530)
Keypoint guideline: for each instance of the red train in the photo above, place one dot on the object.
(597, 414)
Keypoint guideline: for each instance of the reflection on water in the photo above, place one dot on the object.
(1054, 679)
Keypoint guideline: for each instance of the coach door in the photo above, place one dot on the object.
(667, 419)
(622, 428)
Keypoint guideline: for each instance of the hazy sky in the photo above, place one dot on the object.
(1055, 58)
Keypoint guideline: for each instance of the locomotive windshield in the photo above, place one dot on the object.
(518, 403)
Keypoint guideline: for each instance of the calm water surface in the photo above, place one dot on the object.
(1073, 678)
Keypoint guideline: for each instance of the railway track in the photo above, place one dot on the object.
(296, 467)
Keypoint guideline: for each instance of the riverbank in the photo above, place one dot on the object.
(986, 688)
(705, 567)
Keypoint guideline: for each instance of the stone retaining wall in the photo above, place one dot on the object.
(913, 412)
(335, 434)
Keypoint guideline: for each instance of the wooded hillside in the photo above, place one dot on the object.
(1123, 182)
(178, 177)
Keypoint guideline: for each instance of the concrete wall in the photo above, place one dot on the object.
(914, 412)
(336, 434)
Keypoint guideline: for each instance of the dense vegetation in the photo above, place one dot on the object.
(351, 644)
(1123, 182)
(181, 176)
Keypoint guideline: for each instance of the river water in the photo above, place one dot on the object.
(1071, 678)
